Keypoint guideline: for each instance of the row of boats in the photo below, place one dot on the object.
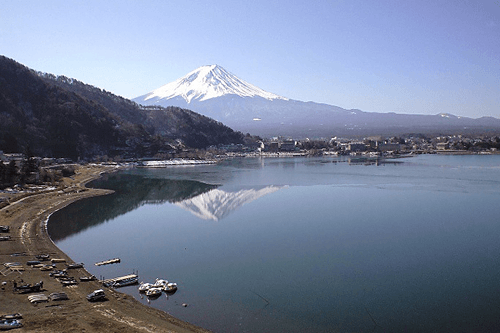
(156, 289)
(150, 289)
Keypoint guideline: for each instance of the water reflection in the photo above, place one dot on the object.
(217, 204)
(131, 192)
(411, 245)
(363, 160)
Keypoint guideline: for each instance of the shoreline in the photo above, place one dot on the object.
(27, 216)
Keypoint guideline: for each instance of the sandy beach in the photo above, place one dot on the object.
(26, 215)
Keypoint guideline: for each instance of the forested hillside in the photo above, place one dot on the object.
(61, 117)
(194, 129)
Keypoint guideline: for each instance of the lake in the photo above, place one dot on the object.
(324, 244)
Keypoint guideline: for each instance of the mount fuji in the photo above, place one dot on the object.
(214, 92)
(205, 83)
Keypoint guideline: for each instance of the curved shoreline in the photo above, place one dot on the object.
(27, 218)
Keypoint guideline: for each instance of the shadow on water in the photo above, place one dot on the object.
(131, 192)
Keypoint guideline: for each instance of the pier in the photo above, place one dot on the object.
(108, 262)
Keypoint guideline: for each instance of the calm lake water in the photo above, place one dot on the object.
(304, 244)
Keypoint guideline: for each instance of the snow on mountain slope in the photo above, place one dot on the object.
(216, 204)
(208, 82)
(220, 95)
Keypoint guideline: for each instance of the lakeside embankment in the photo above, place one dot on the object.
(26, 215)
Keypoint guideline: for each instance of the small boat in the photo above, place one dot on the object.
(58, 296)
(73, 266)
(144, 287)
(88, 278)
(170, 287)
(125, 282)
(58, 274)
(17, 266)
(153, 292)
(47, 267)
(159, 283)
(38, 298)
(65, 278)
(16, 315)
(28, 288)
(43, 257)
(69, 282)
(57, 260)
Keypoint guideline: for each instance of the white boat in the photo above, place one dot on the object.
(159, 283)
(170, 287)
(145, 287)
(125, 282)
(152, 292)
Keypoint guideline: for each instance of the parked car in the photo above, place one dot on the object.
(96, 295)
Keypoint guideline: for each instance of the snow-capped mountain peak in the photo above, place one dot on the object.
(208, 82)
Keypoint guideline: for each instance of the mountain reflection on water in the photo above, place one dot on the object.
(131, 192)
(217, 204)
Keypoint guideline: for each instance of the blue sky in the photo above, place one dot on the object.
(422, 57)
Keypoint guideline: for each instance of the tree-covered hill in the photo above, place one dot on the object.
(61, 117)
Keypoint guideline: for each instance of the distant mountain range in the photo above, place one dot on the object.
(61, 117)
(218, 94)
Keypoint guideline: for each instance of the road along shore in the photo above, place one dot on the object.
(26, 215)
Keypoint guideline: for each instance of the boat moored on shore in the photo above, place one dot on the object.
(144, 286)
(125, 282)
(170, 288)
(153, 292)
